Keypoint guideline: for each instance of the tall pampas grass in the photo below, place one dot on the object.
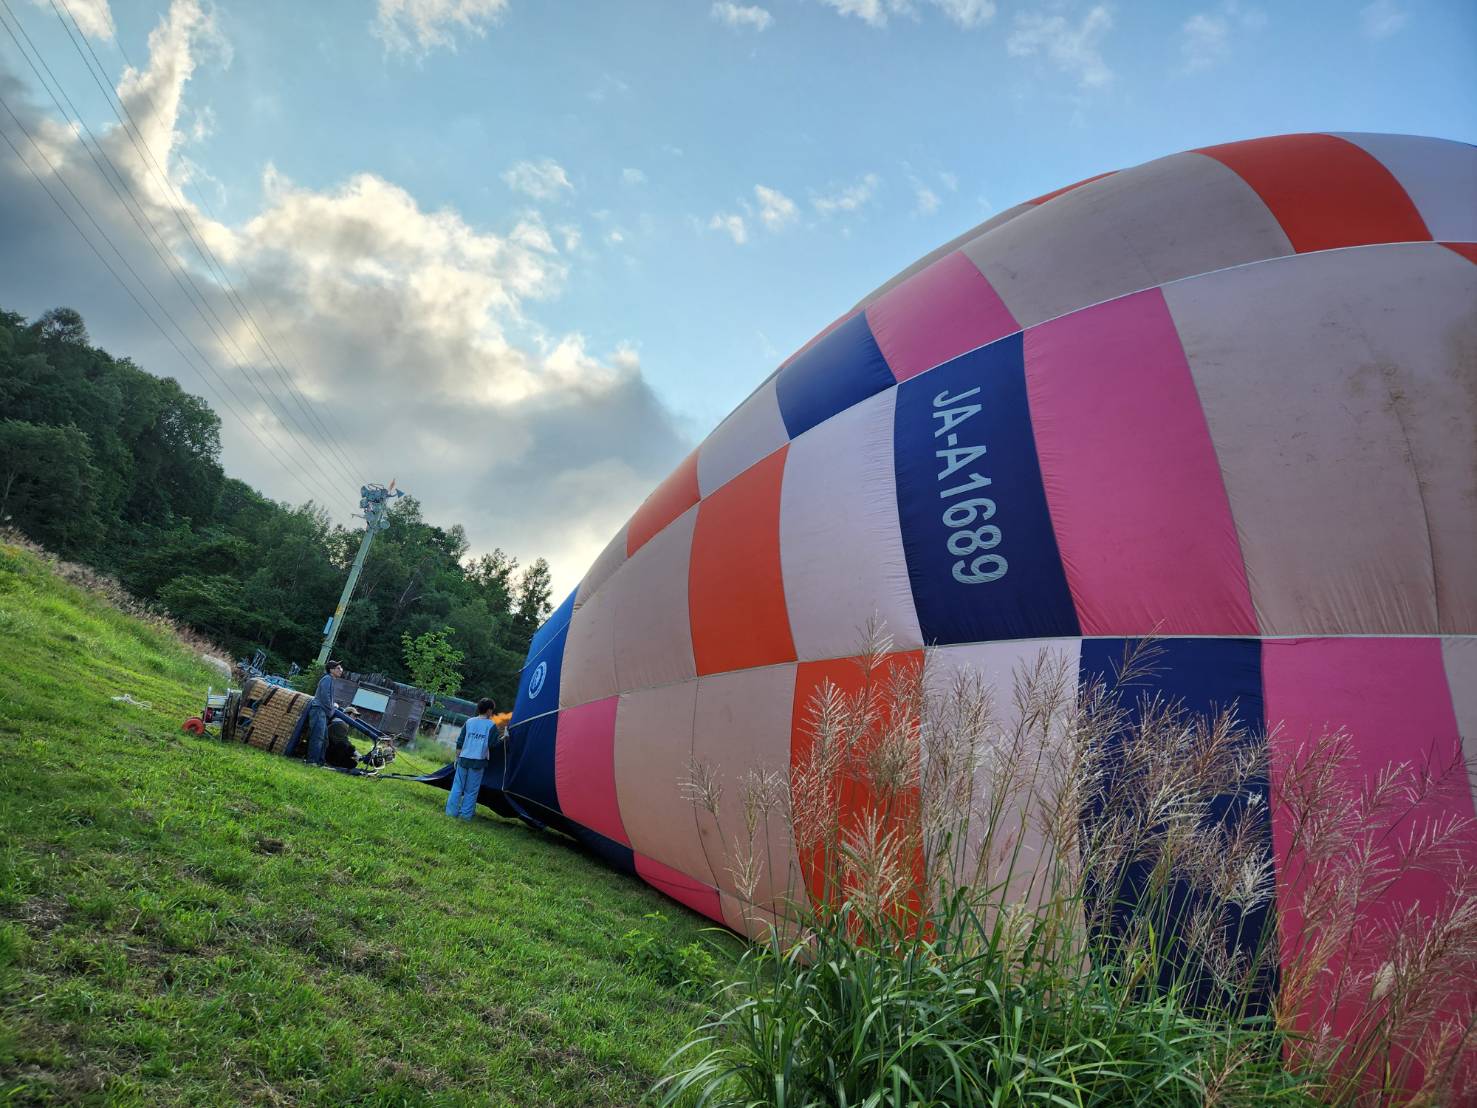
(1066, 896)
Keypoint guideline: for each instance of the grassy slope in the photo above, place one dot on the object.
(183, 922)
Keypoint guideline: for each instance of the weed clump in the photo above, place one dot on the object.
(686, 969)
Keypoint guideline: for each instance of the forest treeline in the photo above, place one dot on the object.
(109, 465)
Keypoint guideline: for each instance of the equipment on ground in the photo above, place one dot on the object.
(218, 705)
(273, 718)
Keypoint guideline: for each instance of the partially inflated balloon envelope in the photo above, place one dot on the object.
(1228, 397)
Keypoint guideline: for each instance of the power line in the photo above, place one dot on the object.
(181, 213)
(145, 224)
(124, 284)
(356, 451)
(134, 210)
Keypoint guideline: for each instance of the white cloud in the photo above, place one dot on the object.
(926, 198)
(1206, 37)
(615, 236)
(968, 13)
(1382, 19)
(1205, 40)
(873, 12)
(776, 210)
(388, 314)
(569, 235)
(877, 13)
(153, 96)
(609, 85)
(1073, 50)
(739, 16)
(417, 27)
(633, 177)
(771, 208)
(849, 199)
(733, 224)
(542, 180)
(94, 17)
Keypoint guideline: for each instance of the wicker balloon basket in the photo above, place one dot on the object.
(265, 716)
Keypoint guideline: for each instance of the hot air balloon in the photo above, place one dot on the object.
(1227, 397)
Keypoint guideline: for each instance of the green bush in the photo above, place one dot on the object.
(689, 969)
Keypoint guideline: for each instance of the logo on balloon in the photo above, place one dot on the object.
(536, 682)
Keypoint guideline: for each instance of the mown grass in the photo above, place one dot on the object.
(183, 922)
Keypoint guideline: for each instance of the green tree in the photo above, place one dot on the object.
(534, 590)
(433, 662)
(61, 325)
(48, 484)
(110, 464)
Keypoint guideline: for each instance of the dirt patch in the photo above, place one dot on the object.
(43, 914)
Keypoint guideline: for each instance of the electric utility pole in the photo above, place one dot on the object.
(375, 500)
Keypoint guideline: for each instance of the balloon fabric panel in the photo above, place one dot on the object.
(609, 560)
(702, 899)
(1069, 188)
(1439, 177)
(736, 587)
(650, 634)
(754, 431)
(589, 651)
(1021, 854)
(1174, 217)
(538, 684)
(617, 856)
(817, 338)
(528, 755)
(584, 768)
(1324, 191)
(1459, 654)
(1203, 677)
(982, 557)
(839, 540)
(1311, 441)
(670, 499)
(1137, 502)
(952, 246)
(1391, 696)
(742, 729)
(937, 314)
(840, 370)
(1466, 250)
(842, 802)
(653, 756)
(1426, 301)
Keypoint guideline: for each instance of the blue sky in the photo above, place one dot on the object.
(570, 237)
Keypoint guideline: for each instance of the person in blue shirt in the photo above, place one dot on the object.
(320, 711)
(473, 748)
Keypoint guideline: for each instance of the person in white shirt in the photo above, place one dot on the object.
(473, 748)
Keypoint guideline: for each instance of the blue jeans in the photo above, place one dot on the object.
(462, 802)
(317, 734)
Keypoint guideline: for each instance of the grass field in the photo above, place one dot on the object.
(183, 922)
